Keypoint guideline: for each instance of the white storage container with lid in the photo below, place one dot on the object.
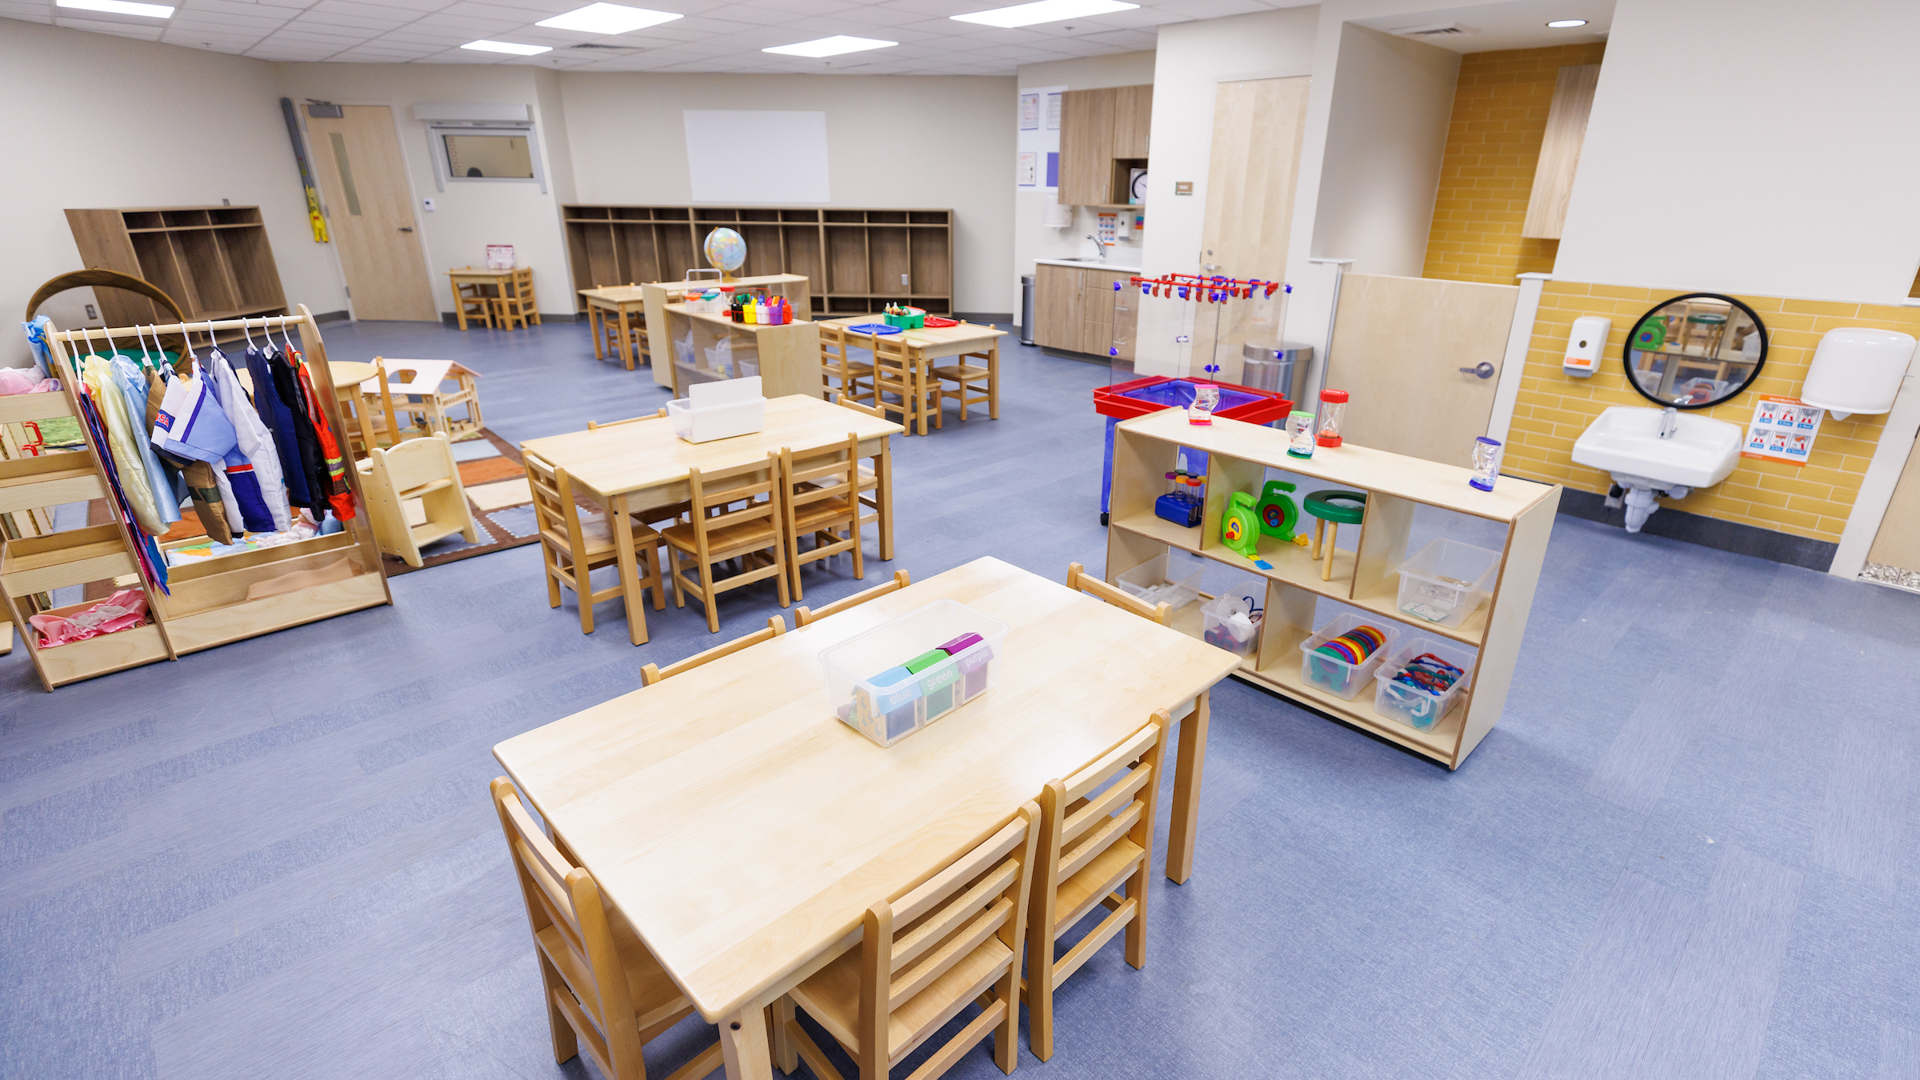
(719, 410)
(892, 681)
(1447, 581)
(1334, 674)
(1414, 706)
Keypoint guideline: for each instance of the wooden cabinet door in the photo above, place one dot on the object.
(1086, 146)
(1097, 316)
(1057, 307)
(1132, 120)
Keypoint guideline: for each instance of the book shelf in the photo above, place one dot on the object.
(858, 260)
(214, 261)
(1239, 457)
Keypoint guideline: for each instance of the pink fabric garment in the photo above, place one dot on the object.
(18, 381)
(124, 609)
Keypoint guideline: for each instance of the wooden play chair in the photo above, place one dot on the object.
(969, 384)
(875, 468)
(421, 469)
(573, 546)
(820, 497)
(605, 992)
(719, 530)
(1096, 833)
(894, 372)
(855, 377)
(803, 616)
(924, 956)
(650, 674)
(474, 303)
(516, 302)
(1080, 581)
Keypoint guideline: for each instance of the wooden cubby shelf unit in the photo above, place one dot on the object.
(213, 260)
(1239, 455)
(858, 261)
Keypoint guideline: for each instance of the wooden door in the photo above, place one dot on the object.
(370, 214)
(1897, 544)
(1398, 346)
(1258, 125)
(1057, 307)
(1086, 146)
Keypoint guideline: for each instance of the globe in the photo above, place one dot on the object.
(726, 250)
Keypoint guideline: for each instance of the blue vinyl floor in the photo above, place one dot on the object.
(1689, 850)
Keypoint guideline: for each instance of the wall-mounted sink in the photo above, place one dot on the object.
(1652, 452)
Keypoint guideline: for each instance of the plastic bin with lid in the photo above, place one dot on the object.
(1447, 581)
(904, 674)
(1153, 582)
(1332, 673)
(1415, 706)
(719, 410)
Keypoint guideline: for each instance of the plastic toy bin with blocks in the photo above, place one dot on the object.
(1412, 705)
(1332, 673)
(1152, 581)
(902, 675)
(1446, 582)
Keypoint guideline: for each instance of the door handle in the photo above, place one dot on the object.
(409, 228)
(1484, 369)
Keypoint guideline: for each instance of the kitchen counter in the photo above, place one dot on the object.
(1090, 264)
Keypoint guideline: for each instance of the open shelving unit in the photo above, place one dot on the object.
(214, 261)
(1239, 457)
(858, 260)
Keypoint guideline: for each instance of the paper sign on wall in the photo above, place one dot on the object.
(1029, 112)
(1783, 429)
(1037, 139)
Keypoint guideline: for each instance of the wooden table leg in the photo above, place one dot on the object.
(594, 319)
(626, 342)
(993, 380)
(743, 1045)
(919, 366)
(459, 305)
(883, 488)
(1186, 792)
(629, 569)
(785, 1055)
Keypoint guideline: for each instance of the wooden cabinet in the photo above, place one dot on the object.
(213, 260)
(1103, 133)
(1073, 307)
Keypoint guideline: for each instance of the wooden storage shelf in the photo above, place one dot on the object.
(48, 480)
(40, 564)
(214, 261)
(1240, 457)
(77, 660)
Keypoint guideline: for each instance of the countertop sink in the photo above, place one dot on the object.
(1625, 440)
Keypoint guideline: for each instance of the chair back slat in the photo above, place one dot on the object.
(649, 674)
(418, 461)
(803, 616)
(1080, 581)
(555, 510)
(846, 402)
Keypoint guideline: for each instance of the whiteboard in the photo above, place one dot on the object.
(757, 157)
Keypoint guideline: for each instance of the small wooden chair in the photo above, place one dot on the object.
(637, 340)
(836, 362)
(802, 616)
(971, 384)
(421, 469)
(719, 531)
(1092, 841)
(873, 493)
(820, 497)
(895, 373)
(516, 302)
(1080, 581)
(650, 674)
(572, 547)
(474, 304)
(604, 990)
(924, 956)
(596, 425)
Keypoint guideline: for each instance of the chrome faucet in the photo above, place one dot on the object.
(1104, 245)
(1669, 422)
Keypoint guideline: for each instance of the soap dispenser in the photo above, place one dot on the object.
(1857, 370)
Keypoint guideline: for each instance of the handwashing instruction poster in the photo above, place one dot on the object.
(1037, 145)
(1783, 429)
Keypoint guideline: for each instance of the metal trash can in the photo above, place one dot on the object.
(1275, 367)
(1026, 309)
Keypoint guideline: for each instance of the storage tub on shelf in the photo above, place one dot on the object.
(1412, 705)
(1446, 582)
(1331, 673)
(886, 685)
(1152, 581)
(1219, 628)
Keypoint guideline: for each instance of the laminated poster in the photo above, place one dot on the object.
(1783, 429)
(1037, 139)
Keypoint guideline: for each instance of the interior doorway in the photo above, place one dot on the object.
(369, 209)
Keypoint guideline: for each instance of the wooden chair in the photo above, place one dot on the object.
(873, 493)
(516, 302)
(1092, 841)
(719, 531)
(924, 956)
(604, 990)
(803, 616)
(972, 384)
(836, 362)
(895, 373)
(572, 546)
(820, 497)
(596, 425)
(637, 340)
(654, 517)
(650, 674)
(475, 304)
(1080, 581)
(421, 469)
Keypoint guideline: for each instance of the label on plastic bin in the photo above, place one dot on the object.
(938, 684)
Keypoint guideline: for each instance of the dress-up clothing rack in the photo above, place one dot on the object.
(206, 602)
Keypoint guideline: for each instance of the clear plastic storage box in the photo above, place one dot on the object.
(1331, 673)
(1447, 581)
(1152, 582)
(900, 676)
(1411, 705)
(1220, 628)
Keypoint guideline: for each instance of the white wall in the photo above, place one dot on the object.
(1807, 186)
(893, 141)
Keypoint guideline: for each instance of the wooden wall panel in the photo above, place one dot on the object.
(1560, 152)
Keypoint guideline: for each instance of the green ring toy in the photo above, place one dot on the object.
(1330, 510)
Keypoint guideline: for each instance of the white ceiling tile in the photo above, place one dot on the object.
(316, 17)
(1212, 9)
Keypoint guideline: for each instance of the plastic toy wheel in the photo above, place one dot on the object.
(1103, 517)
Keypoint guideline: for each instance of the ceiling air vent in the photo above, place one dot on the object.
(1436, 30)
(604, 48)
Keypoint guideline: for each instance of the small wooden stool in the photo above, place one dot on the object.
(1332, 509)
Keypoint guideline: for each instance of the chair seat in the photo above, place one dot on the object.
(597, 535)
(962, 371)
(655, 997)
(832, 997)
(1094, 880)
(661, 513)
(819, 513)
(746, 536)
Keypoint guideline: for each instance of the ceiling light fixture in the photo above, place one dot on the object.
(120, 7)
(1043, 11)
(514, 48)
(831, 46)
(608, 19)
(1566, 24)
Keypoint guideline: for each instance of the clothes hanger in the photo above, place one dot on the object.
(249, 334)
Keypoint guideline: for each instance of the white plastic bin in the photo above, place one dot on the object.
(1331, 673)
(1152, 582)
(1225, 623)
(1446, 582)
(1412, 705)
(874, 692)
(719, 410)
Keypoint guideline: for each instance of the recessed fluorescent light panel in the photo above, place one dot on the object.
(120, 7)
(608, 19)
(1045, 11)
(1566, 24)
(831, 46)
(513, 48)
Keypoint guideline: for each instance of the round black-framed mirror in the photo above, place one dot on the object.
(1695, 351)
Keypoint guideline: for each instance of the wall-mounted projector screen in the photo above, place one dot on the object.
(757, 157)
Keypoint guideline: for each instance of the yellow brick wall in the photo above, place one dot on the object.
(1812, 500)
(1493, 142)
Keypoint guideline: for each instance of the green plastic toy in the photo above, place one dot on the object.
(1240, 526)
(1278, 514)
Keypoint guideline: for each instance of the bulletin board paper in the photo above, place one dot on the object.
(1783, 429)
(757, 156)
(1037, 139)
